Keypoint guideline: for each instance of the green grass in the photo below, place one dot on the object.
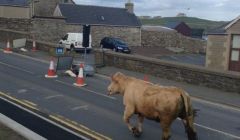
(190, 21)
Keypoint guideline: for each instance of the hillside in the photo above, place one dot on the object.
(190, 21)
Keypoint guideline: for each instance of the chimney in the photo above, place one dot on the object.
(130, 7)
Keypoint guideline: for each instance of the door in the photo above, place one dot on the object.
(234, 64)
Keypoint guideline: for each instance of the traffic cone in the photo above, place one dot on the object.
(51, 72)
(80, 78)
(34, 48)
(8, 48)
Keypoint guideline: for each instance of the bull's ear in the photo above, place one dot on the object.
(112, 77)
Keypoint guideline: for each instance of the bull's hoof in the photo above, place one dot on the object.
(136, 132)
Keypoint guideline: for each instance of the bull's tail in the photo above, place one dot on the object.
(189, 117)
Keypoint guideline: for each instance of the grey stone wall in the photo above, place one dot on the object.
(166, 39)
(131, 35)
(15, 24)
(228, 81)
(52, 29)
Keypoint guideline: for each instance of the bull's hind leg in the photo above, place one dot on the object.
(189, 128)
(165, 124)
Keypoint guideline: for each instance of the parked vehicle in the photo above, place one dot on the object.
(73, 41)
(115, 44)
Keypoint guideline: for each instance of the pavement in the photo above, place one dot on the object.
(23, 78)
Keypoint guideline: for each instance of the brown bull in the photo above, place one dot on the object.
(159, 103)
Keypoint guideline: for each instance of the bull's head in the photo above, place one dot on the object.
(116, 86)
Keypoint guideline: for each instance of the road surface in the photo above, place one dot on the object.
(23, 78)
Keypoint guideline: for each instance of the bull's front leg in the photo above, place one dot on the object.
(129, 111)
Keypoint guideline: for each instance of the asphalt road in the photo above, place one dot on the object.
(90, 106)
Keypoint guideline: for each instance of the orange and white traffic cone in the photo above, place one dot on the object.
(8, 48)
(34, 48)
(145, 78)
(51, 72)
(80, 78)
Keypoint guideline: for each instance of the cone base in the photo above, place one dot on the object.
(7, 51)
(79, 85)
(47, 76)
(34, 50)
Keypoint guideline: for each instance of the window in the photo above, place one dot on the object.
(236, 42)
(65, 1)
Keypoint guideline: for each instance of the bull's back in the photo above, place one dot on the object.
(160, 104)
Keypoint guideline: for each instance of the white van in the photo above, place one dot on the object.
(73, 41)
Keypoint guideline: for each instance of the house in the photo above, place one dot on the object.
(181, 27)
(26, 9)
(14, 9)
(181, 15)
(197, 33)
(45, 8)
(104, 21)
(223, 47)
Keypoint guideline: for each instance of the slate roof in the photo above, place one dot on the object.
(172, 25)
(97, 15)
(14, 2)
(219, 30)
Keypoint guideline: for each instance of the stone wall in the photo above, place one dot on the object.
(15, 24)
(131, 35)
(166, 39)
(228, 81)
(6, 34)
(52, 29)
(217, 52)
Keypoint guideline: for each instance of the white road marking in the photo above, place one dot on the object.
(22, 91)
(215, 130)
(215, 104)
(53, 96)
(17, 68)
(100, 94)
(218, 131)
(85, 107)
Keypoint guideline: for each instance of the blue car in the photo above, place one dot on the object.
(115, 44)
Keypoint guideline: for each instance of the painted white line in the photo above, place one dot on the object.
(17, 68)
(215, 104)
(20, 129)
(22, 91)
(49, 121)
(215, 130)
(85, 107)
(53, 96)
(100, 94)
(218, 131)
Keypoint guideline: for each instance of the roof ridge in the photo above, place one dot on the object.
(91, 6)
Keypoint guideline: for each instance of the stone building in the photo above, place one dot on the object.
(46, 7)
(223, 47)
(105, 21)
(14, 9)
(181, 27)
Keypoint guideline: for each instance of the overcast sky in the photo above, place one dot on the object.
(207, 9)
